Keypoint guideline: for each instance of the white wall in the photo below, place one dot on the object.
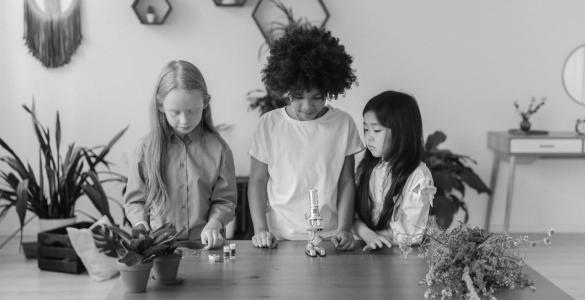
(465, 61)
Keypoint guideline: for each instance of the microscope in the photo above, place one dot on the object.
(314, 218)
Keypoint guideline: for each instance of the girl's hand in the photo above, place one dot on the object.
(211, 236)
(375, 241)
(343, 240)
(264, 239)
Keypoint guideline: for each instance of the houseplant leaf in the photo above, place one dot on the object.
(22, 199)
(106, 240)
(434, 140)
(473, 180)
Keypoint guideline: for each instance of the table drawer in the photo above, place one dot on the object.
(546, 146)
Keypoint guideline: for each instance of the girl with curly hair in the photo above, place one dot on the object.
(306, 144)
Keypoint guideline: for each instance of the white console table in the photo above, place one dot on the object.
(512, 147)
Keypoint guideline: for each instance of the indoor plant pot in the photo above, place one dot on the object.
(52, 188)
(137, 251)
(166, 268)
(135, 277)
(49, 224)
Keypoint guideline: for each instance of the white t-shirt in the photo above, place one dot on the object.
(303, 155)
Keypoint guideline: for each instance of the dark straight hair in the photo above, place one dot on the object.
(400, 113)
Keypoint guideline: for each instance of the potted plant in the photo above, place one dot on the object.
(451, 173)
(136, 254)
(526, 114)
(150, 15)
(51, 191)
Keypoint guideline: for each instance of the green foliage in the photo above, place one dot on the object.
(451, 173)
(59, 181)
(471, 261)
(265, 101)
(129, 250)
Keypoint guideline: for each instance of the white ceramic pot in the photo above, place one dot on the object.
(48, 224)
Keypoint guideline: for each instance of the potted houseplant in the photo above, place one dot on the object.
(451, 173)
(526, 114)
(52, 190)
(137, 254)
(150, 15)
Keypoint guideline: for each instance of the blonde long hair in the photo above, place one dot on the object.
(177, 74)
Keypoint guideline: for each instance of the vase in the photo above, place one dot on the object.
(150, 18)
(525, 125)
(135, 278)
(165, 269)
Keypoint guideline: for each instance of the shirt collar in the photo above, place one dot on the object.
(194, 135)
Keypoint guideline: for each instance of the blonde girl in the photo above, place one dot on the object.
(182, 171)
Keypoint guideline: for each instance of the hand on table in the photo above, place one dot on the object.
(211, 235)
(375, 241)
(343, 240)
(264, 239)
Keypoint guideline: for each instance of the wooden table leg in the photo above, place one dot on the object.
(493, 182)
(510, 193)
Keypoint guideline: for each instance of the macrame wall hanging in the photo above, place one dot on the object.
(52, 33)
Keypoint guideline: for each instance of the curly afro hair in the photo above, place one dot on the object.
(308, 57)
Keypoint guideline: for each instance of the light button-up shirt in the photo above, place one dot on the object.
(201, 184)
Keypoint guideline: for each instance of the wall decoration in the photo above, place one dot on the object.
(270, 20)
(52, 30)
(229, 2)
(152, 12)
(573, 76)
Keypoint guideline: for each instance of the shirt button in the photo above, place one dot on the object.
(181, 164)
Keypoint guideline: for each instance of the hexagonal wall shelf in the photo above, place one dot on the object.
(152, 12)
(229, 2)
(269, 17)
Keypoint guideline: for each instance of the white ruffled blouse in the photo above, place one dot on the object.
(411, 209)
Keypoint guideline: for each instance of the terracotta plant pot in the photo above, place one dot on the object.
(166, 268)
(135, 278)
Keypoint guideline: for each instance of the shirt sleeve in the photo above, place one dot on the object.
(260, 142)
(135, 196)
(223, 195)
(410, 218)
(354, 143)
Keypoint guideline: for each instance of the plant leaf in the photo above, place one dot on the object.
(434, 140)
(131, 258)
(105, 240)
(22, 198)
(473, 180)
(106, 150)
(123, 234)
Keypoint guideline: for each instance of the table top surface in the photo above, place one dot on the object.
(286, 272)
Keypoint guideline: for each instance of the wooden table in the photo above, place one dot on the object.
(527, 148)
(286, 272)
